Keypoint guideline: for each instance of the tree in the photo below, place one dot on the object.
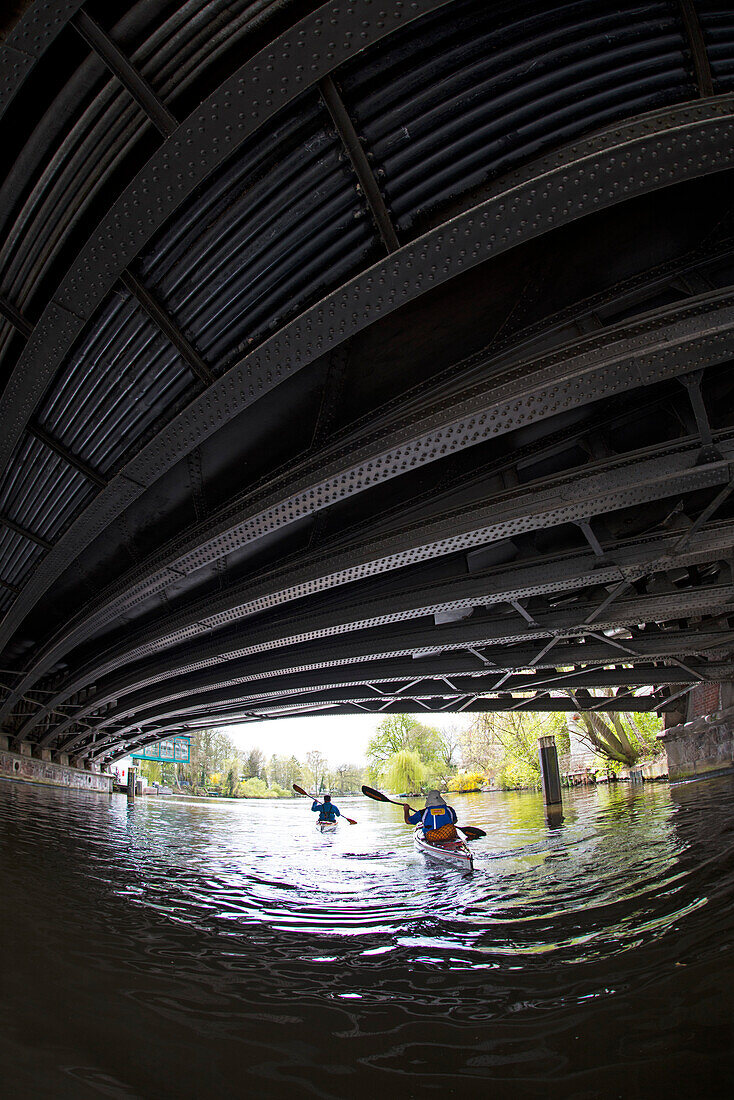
(448, 750)
(274, 773)
(348, 778)
(211, 751)
(253, 788)
(480, 747)
(619, 737)
(401, 733)
(258, 788)
(317, 764)
(231, 770)
(151, 769)
(252, 767)
(405, 771)
(292, 769)
(504, 745)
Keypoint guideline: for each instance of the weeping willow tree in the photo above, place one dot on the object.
(618, 736)
(406, 772)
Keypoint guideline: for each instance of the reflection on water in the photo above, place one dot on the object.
(204, 949)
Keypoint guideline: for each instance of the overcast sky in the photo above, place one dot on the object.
(341, 738)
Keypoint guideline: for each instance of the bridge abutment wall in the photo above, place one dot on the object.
(25, 768)
(704, 743)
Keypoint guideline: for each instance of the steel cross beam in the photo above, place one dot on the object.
(544, 704)
(547, 504)
(15, 318)
(564, 378)
(493, 588)
(696, 139)
(563, 625)
(431, 689)
(361, 676)
(126, 73)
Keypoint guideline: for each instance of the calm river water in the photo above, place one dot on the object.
(174, 949)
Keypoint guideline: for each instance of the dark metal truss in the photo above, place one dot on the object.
(545, 510)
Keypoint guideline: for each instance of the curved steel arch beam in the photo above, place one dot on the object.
(459, 685)
(312, 686)
(242, 104)
(387, 645)
(496, 587)
(27, 42)
(607, 168)
(660, 346)
(459, 591)
(622, 482)
(509, 631)
(565, 624)
(660, 647)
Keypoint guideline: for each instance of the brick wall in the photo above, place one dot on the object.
(704, 699)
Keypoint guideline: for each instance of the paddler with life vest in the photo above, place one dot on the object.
(326, 810)
(437, 819)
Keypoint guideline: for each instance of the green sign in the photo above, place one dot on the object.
(175, 749)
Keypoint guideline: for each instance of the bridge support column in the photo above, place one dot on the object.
(703, 744)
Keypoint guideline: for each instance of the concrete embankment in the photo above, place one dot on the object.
(25, 768)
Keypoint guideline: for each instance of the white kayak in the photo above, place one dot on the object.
(326, 826)
(452, 852)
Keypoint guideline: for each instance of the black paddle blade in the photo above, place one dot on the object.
(377, 795)
(471, 833)
(300, 790)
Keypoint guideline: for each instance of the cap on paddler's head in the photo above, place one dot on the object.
(433, 798)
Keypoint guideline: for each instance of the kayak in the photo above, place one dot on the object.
(326, 826)
(452, 852)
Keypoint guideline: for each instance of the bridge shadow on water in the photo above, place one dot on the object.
(174, 949)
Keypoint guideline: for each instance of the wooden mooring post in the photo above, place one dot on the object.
(551, 775)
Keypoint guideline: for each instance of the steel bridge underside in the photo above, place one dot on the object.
(362, 358)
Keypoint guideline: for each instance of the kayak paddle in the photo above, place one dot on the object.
(300, 790)
(469, 831)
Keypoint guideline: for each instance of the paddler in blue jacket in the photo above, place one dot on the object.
(437, 819)
(326, 810)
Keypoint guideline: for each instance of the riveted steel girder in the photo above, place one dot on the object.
(544, 703)
(563, 625)
(493, 587)
(563, 500)
(663, 345)
(438, 693)
(253, 467)
(695, 139)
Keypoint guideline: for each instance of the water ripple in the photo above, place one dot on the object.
(172, 948)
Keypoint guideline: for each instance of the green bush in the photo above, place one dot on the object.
(258, 788)
(518, 773)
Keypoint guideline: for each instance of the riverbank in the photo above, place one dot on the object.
(175, 796)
